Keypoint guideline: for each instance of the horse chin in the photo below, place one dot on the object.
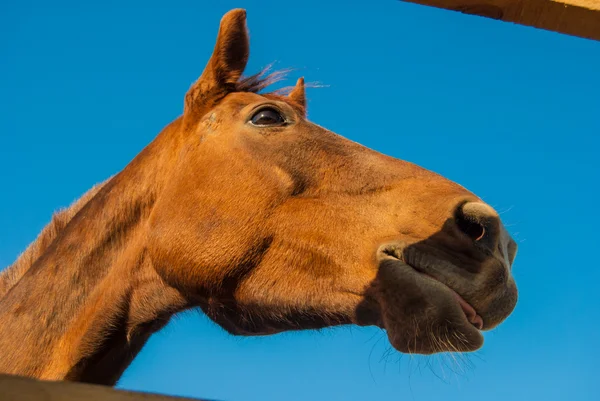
(420, 314)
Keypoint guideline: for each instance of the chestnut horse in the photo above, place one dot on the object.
(265, 221)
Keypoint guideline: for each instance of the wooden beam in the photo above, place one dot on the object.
(15, 388)
(572, 17)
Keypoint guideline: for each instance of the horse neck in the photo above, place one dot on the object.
(89, 303)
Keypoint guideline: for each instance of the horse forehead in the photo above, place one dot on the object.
(226, 111)
(238, 100)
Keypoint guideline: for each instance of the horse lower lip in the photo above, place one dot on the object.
(470, 312)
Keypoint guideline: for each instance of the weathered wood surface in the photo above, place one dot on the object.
(14, 388)
(572, 17)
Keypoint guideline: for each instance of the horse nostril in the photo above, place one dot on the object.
(478, 221)
(473, 229)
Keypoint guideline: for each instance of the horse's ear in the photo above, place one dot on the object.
(225, 66)
(298, 94)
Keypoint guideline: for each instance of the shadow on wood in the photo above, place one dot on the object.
(16, 388)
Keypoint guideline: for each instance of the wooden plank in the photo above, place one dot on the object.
(15, 388)
(572, 17)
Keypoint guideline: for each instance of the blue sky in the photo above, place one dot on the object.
(510, 112)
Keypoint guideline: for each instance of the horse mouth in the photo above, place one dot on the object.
(395, 252)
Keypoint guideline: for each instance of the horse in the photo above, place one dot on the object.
(266, 222)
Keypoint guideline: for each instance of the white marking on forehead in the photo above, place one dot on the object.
(209, 125)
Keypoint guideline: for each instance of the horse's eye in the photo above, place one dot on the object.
(268, 117)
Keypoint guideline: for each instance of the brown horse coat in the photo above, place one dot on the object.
(267, 222)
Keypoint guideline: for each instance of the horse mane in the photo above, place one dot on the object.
(13, 273)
